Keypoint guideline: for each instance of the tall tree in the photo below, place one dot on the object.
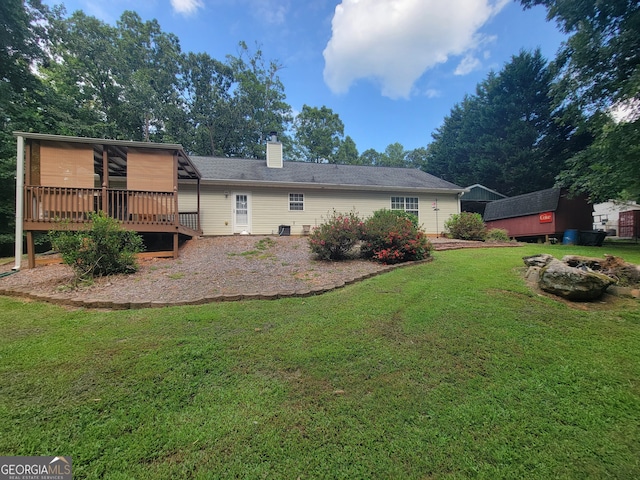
(347, 152)
(370, 157)
(259, 102)
(318, 133)
(503, 136)
(206, 95)
(23, 34)
(599, 71)
(393, 156)
(147, 65)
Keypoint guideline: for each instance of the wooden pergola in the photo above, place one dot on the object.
(63, 179)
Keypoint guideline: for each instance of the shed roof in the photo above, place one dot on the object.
(319, 175)
(527, 204)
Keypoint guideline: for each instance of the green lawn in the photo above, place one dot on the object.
(450, 369)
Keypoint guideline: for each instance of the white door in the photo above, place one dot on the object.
(241, 212)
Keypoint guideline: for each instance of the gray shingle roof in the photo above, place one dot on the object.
(527, 204)
(242, 170)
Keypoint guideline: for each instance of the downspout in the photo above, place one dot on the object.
(19, 202)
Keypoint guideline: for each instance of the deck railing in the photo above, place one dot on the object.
(55, 204)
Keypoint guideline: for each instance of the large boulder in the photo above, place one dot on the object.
(573, 283)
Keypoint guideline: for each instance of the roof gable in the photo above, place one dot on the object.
(242, 170)
(527, 204)
(481, 193)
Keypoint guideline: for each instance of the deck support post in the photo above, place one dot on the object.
(31, 250)
(175, 244)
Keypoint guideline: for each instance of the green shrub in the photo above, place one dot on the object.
(497, 235)
(466, 226)
(393, 236)
(336, 238)
(103, 248)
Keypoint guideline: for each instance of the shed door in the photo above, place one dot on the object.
(241, 212)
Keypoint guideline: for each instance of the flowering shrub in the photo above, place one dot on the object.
(336, 238)
(392, 236)
(466, 226)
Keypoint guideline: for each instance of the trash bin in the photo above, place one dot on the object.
(592, 238)
(284, 230)
(570, 237)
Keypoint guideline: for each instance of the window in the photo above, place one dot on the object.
(296, 201)
(408, 204)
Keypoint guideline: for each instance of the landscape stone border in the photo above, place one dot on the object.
(89, 303)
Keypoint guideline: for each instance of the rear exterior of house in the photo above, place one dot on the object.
(274, 197)
(542, 214)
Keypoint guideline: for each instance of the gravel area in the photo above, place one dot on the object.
(246, 265)
(208, 269)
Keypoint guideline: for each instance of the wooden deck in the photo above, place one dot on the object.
(53, 208)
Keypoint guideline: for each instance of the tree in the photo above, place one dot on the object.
(147, 66)
(347, 152)
(318, 133)
(393, 156)
(209, 122)
(503, 136)
(370, 157)
(83, 67)
(417, 158)
(600, 61)
(609, 168)
(23, 32)
(599, 70)
(258, 106)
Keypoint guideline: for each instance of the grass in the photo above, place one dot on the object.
(451, 369)
(260, 250)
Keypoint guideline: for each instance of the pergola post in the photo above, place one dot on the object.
(19, 203)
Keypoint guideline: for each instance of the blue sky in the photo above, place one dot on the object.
(392, 69)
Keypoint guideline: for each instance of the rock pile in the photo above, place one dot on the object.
(579, 278)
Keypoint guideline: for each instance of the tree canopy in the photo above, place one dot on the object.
(504, 136)
(598, 71)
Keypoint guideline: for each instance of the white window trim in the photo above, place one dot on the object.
(415, 212)
(301, 201)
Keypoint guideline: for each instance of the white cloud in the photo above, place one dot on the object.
(186, 7)
(468, 64)
(396, 41)
(270, 11)
(432, 93)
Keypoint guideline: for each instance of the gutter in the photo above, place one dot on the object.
(328, 186)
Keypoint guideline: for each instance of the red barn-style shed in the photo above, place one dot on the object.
(545, 213)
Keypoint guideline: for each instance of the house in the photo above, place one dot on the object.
(477, 197)
(264, 197)
(159, 189)
(606, 216)
(541, 214)
(62, 179)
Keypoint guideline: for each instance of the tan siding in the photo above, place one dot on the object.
(270, 208)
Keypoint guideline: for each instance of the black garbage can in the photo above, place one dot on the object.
(592, 238)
